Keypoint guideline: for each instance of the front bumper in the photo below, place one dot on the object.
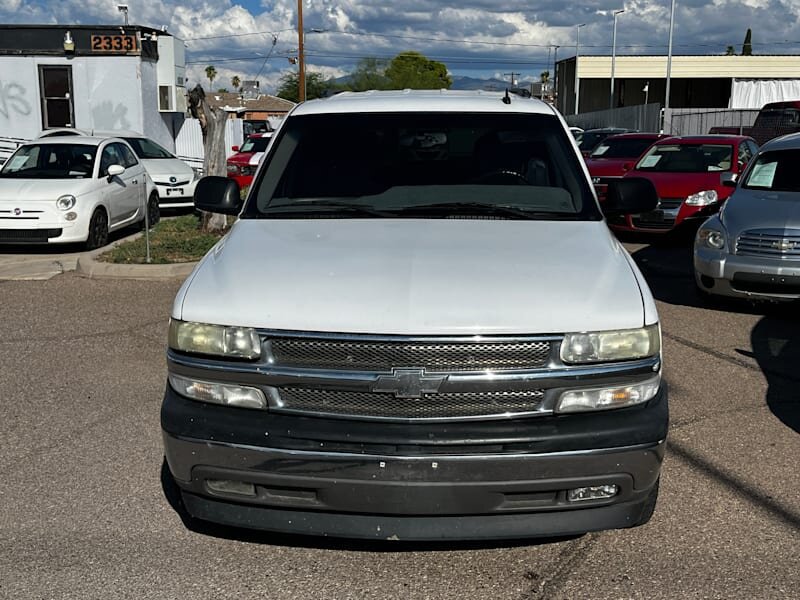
(747, 277)
(462, 481)
(176, 196)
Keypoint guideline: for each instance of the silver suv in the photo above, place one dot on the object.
(420, 327)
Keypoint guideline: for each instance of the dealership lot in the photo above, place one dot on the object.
(84, 513)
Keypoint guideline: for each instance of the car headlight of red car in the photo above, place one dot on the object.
(703, 198)
(233, 169)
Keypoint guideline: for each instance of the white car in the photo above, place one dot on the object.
(174, 179)
(420, 327)
(73, 189)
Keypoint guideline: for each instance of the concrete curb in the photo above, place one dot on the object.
(88, 266)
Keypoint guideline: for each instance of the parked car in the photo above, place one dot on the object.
(751, 249)
(251, 126)
(420, 328)
(616, 155)
(73, 189)
(242, 165)
(588, 140)
(173, 178)
(688, 173)
(776, 119)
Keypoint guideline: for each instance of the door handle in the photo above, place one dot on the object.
(135, 181)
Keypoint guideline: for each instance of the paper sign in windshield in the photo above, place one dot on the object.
(16, 163)
(763, 175)
(650, 161)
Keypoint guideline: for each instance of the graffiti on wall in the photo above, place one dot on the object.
(12, 100)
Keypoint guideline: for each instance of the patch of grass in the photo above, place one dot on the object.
(171, 241)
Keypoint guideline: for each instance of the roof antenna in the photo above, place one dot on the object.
(506, 98)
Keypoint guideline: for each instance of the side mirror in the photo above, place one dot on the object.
(630, 195)
(218, 195)
(235, 148)
(627, 166)
(729, 179)
(115, 171)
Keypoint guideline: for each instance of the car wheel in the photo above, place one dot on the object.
(153, 211)
(649, 506)
(98, 230)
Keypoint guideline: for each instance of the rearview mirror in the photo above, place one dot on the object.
(218, 195)
(115, 171)
(630, 195)
(729, 179)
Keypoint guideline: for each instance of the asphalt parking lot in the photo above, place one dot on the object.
(84, 514)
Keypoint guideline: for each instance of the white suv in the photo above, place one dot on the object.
(420, 327)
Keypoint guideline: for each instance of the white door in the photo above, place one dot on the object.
(122, 193)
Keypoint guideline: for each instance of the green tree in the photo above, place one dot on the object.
(747, 47)
(316, 86)
(414, 71)
(730, 51)
(211, 73)
(370, 74)
(544, 76)
(222, 90)
(236, 82)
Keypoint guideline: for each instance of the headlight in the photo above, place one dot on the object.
(218, 393)
(233, 169)
(711, 238)
(606, 398)
(198, 172)
(605, 346)
(703, 198)
(65, 202)
(232, 342)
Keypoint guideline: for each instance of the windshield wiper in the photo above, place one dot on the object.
(305, 206)
(501, 210)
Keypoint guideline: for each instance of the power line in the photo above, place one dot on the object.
(232, 35)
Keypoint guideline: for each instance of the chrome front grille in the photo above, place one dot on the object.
(366, 355)
(434, 406)
(670, 203)
(774, 243)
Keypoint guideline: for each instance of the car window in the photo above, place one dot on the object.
(402, 162)
(744, 153)
(128, 158)
(622, 148)
(776, 171)
(753, 148)
(257, 144)
(108, 157)
(51, 161)
(147, 148)
(687, 158)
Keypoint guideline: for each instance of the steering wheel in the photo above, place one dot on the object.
(503, 176)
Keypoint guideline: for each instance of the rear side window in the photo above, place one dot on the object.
(775, 171)
(623, 148)
(396, 161)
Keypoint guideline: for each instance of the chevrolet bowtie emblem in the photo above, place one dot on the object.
(784, 245)
(408, 383)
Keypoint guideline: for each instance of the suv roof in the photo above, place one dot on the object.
(422, 101)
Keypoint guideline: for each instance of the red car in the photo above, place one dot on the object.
(687, 173)
(616, 155)
(242, 165)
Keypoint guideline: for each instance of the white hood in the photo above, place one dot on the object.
(416, 277)
(21, 191)
(167, 166)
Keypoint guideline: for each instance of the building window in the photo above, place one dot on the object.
(164, 98)
(55, 85)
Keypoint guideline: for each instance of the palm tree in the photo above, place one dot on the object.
(211, 73)
(236, 82)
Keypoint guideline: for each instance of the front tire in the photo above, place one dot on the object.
(98, 230)
(153, 211)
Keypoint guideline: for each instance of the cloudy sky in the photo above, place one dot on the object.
(480, 38)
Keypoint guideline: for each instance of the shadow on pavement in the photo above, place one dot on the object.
(173, 497)
(51, 249)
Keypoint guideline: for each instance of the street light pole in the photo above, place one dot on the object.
(614, 55)
(669, 55)
(555, 76)
(301, 75)
(577, 54)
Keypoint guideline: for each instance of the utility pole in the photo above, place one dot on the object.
(614, 55)
(555, 77)
(301, 59)
(577, 54)
(669, 56)
(513, 78)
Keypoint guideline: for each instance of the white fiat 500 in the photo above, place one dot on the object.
(73, 189)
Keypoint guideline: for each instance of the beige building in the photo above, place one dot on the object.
(696, 81)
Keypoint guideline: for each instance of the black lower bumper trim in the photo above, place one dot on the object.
(430, 528)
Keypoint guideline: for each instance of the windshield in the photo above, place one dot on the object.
(258, 144)
(590, 139)
(51, 161)
(687, 158)
(436, 165)
(775, 171)
(622, 148)
(145, 148)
